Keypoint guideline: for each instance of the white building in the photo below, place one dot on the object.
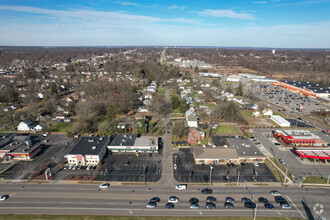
(88, 151)
(280, 121)
(267, 111)
(133, 143)
(26, 126)
(192, 121)
(233, 78)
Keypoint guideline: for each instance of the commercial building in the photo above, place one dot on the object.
(19, 147)
(228, 150)
(314, 154)
(88, 151)
(280, 121)
(133, 143)
(306, 88)
(298, 138)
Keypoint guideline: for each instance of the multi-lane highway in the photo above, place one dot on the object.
(88, 199)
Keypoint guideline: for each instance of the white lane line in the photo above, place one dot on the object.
(296, 207)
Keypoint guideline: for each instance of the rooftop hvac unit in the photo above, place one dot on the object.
(91, 140)
(94, 147)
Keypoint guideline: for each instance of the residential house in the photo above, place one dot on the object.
(192, 121)
(256, 113)
(267, 111)
(25, 126)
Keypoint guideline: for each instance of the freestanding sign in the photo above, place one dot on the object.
(47, 171)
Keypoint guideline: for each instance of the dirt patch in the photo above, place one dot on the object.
(259, 122)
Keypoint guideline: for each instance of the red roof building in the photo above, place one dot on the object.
(299, 138)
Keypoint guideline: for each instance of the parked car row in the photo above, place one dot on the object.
(229, 201)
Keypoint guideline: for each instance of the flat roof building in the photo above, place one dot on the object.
(280, 121)
(88, 151)
(20, 147)
(298, 138)
(133, 143)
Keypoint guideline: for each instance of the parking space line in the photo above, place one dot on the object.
(295, 207)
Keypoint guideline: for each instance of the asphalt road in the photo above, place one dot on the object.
(131, 200)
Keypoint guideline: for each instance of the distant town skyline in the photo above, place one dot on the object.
(248, 23)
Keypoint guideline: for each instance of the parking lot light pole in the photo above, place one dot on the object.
(211, 168)
(237, 176)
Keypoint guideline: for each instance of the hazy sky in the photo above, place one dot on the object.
(240, 23)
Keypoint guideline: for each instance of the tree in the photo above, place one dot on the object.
(183, 107)
(175, 102)
(180, 130)
(53, 88)
(239, 91)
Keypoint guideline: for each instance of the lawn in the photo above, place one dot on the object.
(161, 91)
(226, 129)
(60, 126)
(278, 175)
(315, 179)
(86, 217)
(246, 113)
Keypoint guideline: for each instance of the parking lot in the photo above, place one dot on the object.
(131, 168)
(189, 172)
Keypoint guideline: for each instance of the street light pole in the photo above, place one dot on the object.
(211, 168)
(237, 176)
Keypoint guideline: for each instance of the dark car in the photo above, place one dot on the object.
(169, 205)
(280, 199)
(206, 178)
(230, 200)
(229, 205)
(268, 205)
(250, 205)
(207, 191)
(211, 199)
(155, 200)
(242, 164)
(263, 200)
(210, 205)
(193, 200)
(244, 200)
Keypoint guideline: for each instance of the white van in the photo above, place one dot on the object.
(181, 186)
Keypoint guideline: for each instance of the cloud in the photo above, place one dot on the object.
(220, 13)
(125, 3)
(261, 2)
(177, 7)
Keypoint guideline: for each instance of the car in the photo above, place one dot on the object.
(4, 197)
(275, 193)
(285, 206)
(175, 166)
(207, 191)
(206, 178)
(181, 186)
(169, 205)
(211, 199)
(155, 200)
(65, 167)
(229, 205)
(244, 200)
(74, 167)
(70, 166)
(262, 200)
(126, 163)
(194, 206)
(193, 200)
(45, 141)
(250, 205)
(150, 155)
(230, 200)
(88, 167)
(104, 186)
(151, 205)
(280, 199)
(268, 205)
(173, 199)
(210, 205)
(256, 164)
(242, 164)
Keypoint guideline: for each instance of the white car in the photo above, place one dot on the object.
(173, 199)
(256, 164)
(286, 206)
(181, 186)
(104, 186)
(275, 193)
(151, 205)
(175, 166)
(4, 197)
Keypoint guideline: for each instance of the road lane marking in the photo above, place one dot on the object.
(296, 207)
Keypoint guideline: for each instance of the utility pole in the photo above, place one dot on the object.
(144, 173)
(286, 174)
(211, 168)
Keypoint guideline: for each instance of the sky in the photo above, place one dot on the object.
(220, 23)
